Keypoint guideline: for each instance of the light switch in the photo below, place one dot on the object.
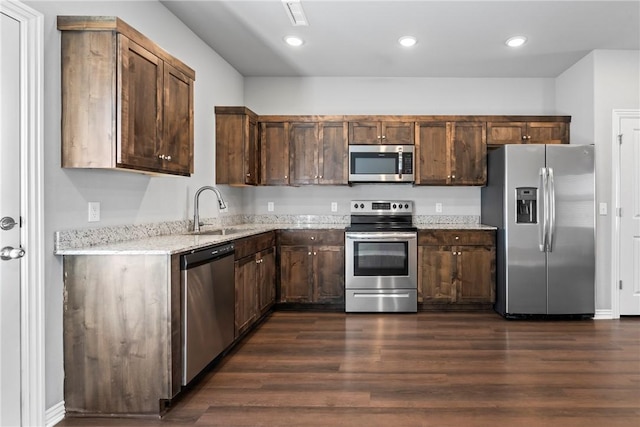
(603, 208)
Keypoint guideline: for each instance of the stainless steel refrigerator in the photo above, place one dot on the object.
(541, 199)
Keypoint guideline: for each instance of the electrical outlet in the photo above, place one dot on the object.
(94, 211)
(334, 206)
(439, 207)
(270, 206)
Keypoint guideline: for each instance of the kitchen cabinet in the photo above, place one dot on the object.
(255, 279)
(529, 132)
(456, 267)
(390, 132)
(126, 103)
(122, 333)
(318, 153)
(237, 147)
(274, 150)
(311, 266)
(451, 153)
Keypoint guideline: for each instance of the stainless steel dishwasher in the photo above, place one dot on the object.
(208, 306)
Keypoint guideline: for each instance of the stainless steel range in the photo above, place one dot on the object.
(381, 251)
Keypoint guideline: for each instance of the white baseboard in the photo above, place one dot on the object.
(54, 414)
(603, 314)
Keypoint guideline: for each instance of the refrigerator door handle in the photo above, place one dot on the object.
(552, 210)
(543, 226)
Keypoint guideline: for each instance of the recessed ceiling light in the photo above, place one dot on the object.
(293, 41)
(516, 41)
(407, 41)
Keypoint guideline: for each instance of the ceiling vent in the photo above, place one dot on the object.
(295, 12)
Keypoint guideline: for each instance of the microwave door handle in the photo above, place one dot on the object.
(400, 164)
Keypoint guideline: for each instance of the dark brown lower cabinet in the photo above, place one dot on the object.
(456, 268)
(255, 270)
(311, 266)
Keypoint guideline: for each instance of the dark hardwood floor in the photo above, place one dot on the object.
(429, 369)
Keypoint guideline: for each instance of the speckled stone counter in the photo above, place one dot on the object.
(174, 237)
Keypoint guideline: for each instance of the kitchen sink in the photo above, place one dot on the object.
(216, 232)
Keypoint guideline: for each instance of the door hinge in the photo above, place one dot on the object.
(620, 285)
(620, 139)
(619, 212)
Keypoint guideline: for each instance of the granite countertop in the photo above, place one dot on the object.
(185, 242)
(455, 227)
(172, 238)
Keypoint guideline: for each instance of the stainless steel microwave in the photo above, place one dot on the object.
(381, 163)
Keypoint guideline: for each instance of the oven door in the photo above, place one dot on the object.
(381, 260)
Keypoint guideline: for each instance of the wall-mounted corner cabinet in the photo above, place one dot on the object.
(237, 146)
(126, 103)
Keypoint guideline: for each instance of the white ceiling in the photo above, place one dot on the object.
(456, 38)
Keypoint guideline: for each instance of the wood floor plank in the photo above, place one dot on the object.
(425, 369)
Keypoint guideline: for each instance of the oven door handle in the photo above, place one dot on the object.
(382, 236)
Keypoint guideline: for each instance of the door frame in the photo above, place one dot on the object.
(32, 311)
(617, 116)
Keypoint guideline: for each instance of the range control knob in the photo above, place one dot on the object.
(394, 206)
(361, 205)
(355, 206)
(406, 206)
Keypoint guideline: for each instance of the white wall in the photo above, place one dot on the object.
(353, 95)
(126, 198)
(590, 90)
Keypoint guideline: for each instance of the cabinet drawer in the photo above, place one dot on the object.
(456, 237)
(253, 244)
(311, 237)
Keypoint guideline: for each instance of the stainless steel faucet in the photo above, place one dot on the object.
(196, 205)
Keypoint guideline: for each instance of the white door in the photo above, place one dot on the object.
(10, 235)
(630, 216)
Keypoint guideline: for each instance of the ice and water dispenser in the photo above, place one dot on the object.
(526, 205)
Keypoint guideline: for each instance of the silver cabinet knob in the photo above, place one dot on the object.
(453, 177)
(168, 158)
(309, 253)
(313, 238)
(8, 253)
(457, 237)
(524, 137)
(285, 177)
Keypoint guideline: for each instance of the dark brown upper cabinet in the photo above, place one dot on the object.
(237, 147)
(126, 103)
(520, 132)
(389, 132)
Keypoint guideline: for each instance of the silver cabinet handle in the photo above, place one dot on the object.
(7, 223)
(8, 253)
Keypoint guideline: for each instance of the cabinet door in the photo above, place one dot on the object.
(266, 280)
(468, 154)
(245, 305)
(141, 75)
(433, 153)
(303, 146)
(333, 154)
(365, 132)
(176, 153)
(475, 274)
(500, 133)
(237, 149)
(398, 133)
(274, 153)
(296, 263)
(547, 133)
(328, 277)
(251, 163)
(436, 274)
